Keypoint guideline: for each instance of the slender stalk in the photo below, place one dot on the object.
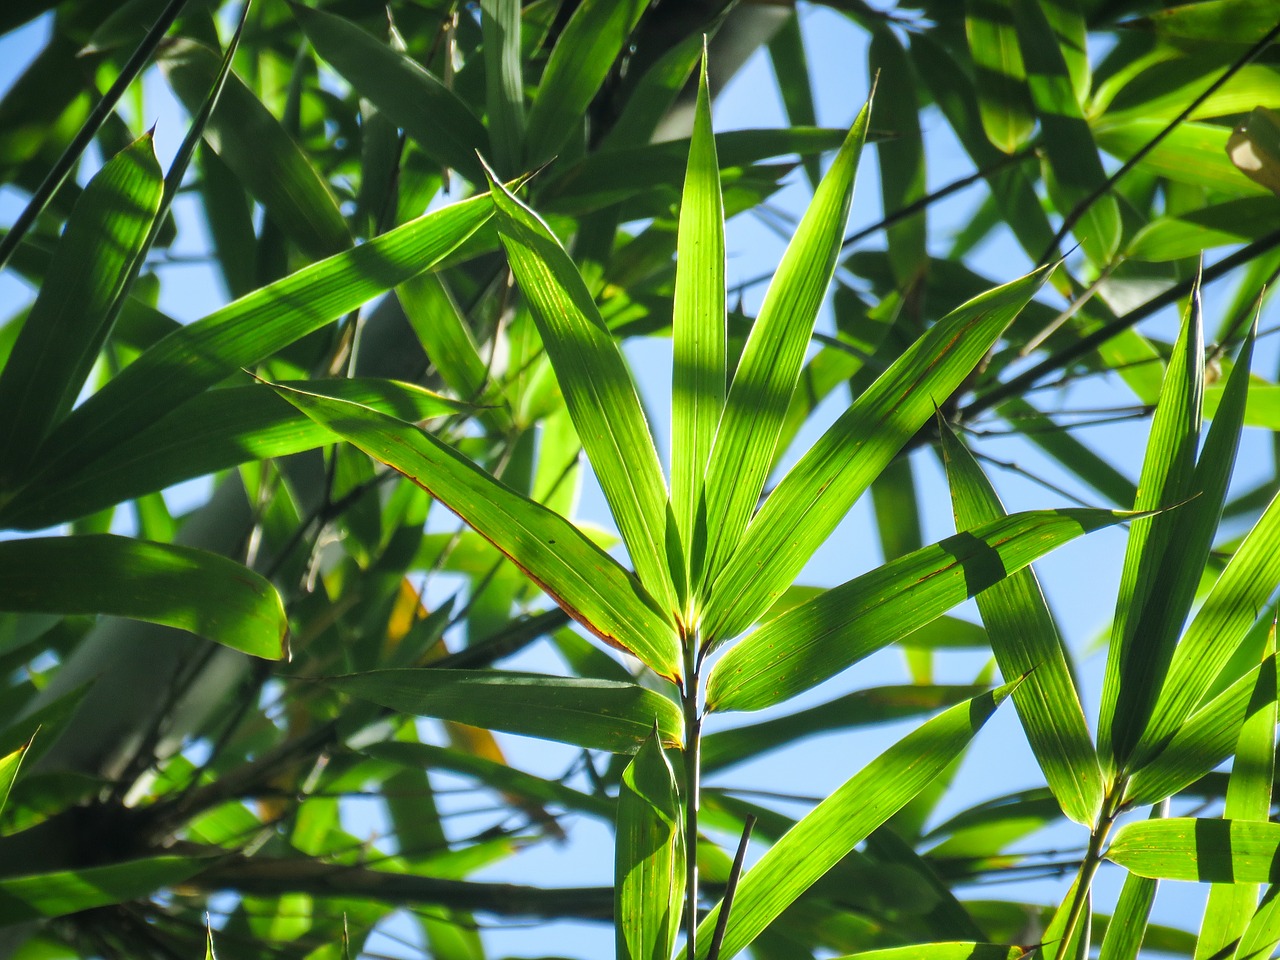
(692, 775)
(1089, 866)
(735, 874)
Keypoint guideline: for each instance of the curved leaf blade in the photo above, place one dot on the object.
(599, 393)
(818, 639)
(44, 895)
(845, 818)
(1199, 850)
(162, 583)
(1025, 640)
(590, 585)
(819, 490)
(595, 714)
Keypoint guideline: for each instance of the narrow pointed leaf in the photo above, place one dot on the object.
(844, 819)
(1004, 102)
(56, 894)
(1200, 850)
(813, 497)
(589, 584)
(595, 714)
(818, 639)
(901, 155)
(244, 332)
(582, 58)
(92, 265)
(1026, 643)
(412, 97)
(790, 65)
(190, 589)
(1262, 936)
(1128, 926)
(770, 365)
(599, 393)
(9, 767)
(260, 151)
(1232, 606)
(503, 82)
(1205, 739)
(698, 332)
(215, 431)
(1229, 908)
(957, 950)
(1146, 625)
(649, 867)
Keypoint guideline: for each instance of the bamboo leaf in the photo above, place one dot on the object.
(818, 639)
(1026, 643)
(260, 151)
(589, 584)
(504, 81)
(956, 950)
(1004, 102)
(441, 124)
(244, 332)
(845, 818)
(600, 395)
(214, 431)
(93, 264)
(1200, 850)
(1128, 926)
(698, 333)
(56, 894)
(595, 714)
(9, 767)
(1142, 642)
(819, 490)
(190, 589)
(790, 66)
(770, 365)
(649, 868)
(1230, 908)
(579, 62)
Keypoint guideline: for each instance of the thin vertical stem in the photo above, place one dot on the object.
(692, 775)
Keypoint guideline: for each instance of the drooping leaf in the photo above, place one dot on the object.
(163, 583)
(596, 714)
(1025, 641)
(56, 894)
(649, 867)
(599, 393)
(590, 585)
(818, 639)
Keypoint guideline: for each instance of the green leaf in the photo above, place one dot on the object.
(1003, 99)
(1200, 850)
(790, 66)
(1128, 926)
(448, 341)
(816, 494)
(1192, 153)
(649, 867)
(441, 124)
(600, 395)
(1149, 608)
(261, 153)
(1188, 232)
(770, 365)
(504, 82)
(581, 59)
(858, 709)
(1026, 643)
(1205, 739)
(590, 585)
(818, 639)
(196, 357)
(42, 895)
(9, 766)
(1254, 148)
(1204, 647)
(93, 264)
(190, 589)
(1228, 21)
(596, 714)
(845, 818)
(698, 332)
(956, 950)
(1263, 933)
(901, 155)
(212, 432)
(1074, 169)
(1230, 907)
